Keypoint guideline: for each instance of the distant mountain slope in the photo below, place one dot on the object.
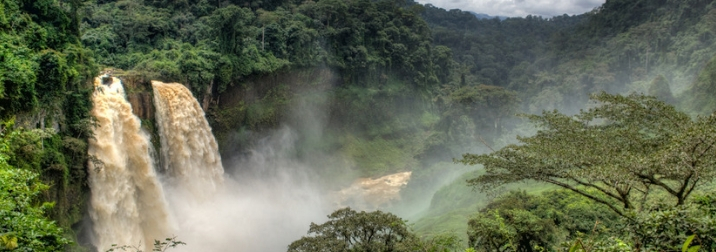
(485, 16)
(621, 46)
(487, 50)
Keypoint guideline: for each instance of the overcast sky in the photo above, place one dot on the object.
(518, 8)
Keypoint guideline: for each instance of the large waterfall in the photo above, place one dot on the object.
(189, 152)
(127, 205)
(264, 202)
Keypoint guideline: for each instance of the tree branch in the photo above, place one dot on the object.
(693, 185)
(706, 149)
(592, 197)
(680, 196)
(659, 183)
(610, 194)
(485, 143)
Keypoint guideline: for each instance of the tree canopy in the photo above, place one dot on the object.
(518, 221)
(348, 230)
(44, 109)
(616, 153)
(24, 226)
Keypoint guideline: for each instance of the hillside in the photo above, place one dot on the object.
(368, 87)
(554, 63)
(45, 88)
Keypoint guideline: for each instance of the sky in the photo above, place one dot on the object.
(519, 8)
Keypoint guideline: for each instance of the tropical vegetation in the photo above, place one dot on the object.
(616, 127)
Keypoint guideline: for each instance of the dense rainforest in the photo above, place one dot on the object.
(377, 87)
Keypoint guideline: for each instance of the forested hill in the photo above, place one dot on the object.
(45, 88)
(486, 50)
(622, 46)
(223, 42)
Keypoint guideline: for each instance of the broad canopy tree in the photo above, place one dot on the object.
(617, 153)
(348, 230)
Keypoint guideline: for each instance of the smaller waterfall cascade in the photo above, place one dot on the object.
(127, 205)
(190, 153)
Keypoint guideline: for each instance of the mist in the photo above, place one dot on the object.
(284, 179)
(269, 195)
(267, 201)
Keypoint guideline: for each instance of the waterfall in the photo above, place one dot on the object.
(190, 154)
(264, 208)
(127, 204)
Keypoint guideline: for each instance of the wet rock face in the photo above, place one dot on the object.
(106, 79)
(139, 94)
(142, 105)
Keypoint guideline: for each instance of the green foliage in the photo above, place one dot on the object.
(687, 243)
(667, 227)
(521, 222)
(26, 147)
(703, 88)
(610, 244)
(24, 226)
(454, 203)
(39, 55)
(616, 48)
(489, 51)
(612, 18)
(660, 150)
(348, 230)
(362, 39)
(59, 161)
(660, 89)
(663, 157)
(471, 112)
(440, 243)
(8, 242)
(688, 227)
(44, 74)
(377, 156)
(18, 74)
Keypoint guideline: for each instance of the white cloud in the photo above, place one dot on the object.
(519, 8)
